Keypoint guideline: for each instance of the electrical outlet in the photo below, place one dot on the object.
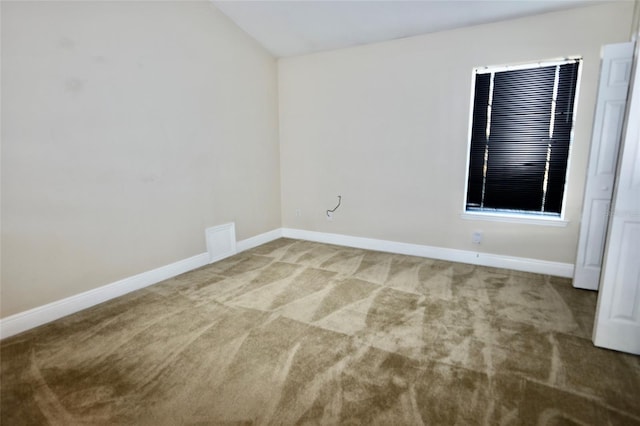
(330, 216)
(298, 213)
(476, 237)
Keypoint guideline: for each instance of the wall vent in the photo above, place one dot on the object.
(221, 241)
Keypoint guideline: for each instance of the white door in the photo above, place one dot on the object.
(617, 324)
(607, 130)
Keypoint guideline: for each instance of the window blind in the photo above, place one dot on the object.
(520, 137)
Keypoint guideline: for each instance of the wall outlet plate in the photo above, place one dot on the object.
(476, 237)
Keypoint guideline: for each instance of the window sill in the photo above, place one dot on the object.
(515, 218)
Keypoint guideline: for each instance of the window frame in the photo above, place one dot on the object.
(514, 216)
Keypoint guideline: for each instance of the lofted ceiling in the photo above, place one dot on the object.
(289, 28)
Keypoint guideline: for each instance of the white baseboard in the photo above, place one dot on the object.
(258, 240)
(35, 317)
(32, 318)
(453, 255)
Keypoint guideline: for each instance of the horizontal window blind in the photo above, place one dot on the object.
(520, 137)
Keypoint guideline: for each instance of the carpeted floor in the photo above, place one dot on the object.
(295, 332)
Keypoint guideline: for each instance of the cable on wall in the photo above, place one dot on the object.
(336, 207)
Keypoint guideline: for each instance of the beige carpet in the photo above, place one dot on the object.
(295, 332)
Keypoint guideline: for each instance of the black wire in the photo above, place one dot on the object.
(336, 207)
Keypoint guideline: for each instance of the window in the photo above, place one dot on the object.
(520, 136)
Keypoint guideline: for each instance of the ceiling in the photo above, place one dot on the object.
(289, 28)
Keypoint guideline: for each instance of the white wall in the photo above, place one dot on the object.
(127, 129)
(386, 126)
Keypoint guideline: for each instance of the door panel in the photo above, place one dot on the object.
(607, 131)
(595, 240)
(617, 324)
